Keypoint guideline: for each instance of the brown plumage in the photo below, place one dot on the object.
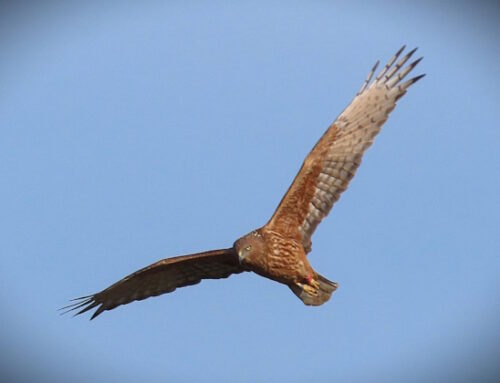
(278, 249)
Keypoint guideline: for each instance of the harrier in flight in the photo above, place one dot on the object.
(278, 250)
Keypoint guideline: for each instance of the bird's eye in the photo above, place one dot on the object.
(248, 248)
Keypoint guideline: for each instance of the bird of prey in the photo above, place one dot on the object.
(278, 249)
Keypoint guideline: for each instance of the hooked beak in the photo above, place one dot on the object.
(241, 256)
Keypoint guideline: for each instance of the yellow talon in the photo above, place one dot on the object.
(312, 288)
(314, 284)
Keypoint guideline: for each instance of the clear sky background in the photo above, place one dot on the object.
(135, 131)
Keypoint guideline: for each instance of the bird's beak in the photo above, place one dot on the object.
(241, 257)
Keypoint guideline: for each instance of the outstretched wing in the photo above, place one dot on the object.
(333, 161)
(161, 277)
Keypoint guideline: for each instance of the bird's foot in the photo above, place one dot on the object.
(312, 286)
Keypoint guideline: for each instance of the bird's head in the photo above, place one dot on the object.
(250, 246)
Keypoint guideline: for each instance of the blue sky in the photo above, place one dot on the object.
(135, 132)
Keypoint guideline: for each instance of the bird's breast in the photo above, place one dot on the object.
(284, 259)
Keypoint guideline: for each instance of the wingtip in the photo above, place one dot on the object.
(417, 60)
(80, 298)
(413, 64)
(420, 76)
(80, 305)
(73, 306)
(412, 81)
(97, 313)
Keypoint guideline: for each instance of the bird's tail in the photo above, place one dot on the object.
(315, 296)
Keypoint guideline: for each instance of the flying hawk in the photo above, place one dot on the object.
(278, 249)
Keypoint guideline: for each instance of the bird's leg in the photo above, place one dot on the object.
(312, 282)
(311, 286)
